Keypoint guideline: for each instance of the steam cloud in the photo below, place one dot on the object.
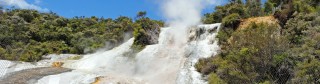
(181, 14)
(185, 12)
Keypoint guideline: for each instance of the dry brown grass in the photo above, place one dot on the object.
(266, 19)
(245, 23)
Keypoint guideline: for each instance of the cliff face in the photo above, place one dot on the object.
(147, 35)
(152, 35)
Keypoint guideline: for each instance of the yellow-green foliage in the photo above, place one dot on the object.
(205, 67)
(302, 6)
(77, 57)
(214, 79)
(266, 82)
(200, 64)
(308, 72)
(236, 7)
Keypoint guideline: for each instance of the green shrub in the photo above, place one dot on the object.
(205, 66)
(268, 7)
(308, 72)
(224, 35)
(30, 56)
(254, 7)
(2, 53)
(303, 6)
(232, 20)
(220, 12)
(214, 79)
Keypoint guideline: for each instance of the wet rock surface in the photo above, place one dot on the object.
(30, 76)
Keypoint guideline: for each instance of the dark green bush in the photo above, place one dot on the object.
(268, 7)
(223, 11)
(231, 21)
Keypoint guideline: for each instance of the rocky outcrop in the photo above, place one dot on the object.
(30, 76)
(146, 34)
(200, 32)
(151, 35)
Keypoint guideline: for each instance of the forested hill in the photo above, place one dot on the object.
(257, 49)
(27, 35)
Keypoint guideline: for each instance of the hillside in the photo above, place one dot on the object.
(27, 35)
(259, 48)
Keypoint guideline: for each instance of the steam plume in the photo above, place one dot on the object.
(181, 14)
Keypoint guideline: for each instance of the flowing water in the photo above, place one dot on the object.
(168, 62)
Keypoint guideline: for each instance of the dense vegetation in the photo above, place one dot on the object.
(27, 35)
(286, 52)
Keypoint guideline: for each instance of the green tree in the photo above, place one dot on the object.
(141, 14)
(223, 11)
(231, 21)
(145, 30)
(269, 7)
(254, 7)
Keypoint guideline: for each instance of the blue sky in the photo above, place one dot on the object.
(99, 8)
(105, 8)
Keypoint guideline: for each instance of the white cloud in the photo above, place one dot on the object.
(22, 4)
(37, 1)
(216, 2)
